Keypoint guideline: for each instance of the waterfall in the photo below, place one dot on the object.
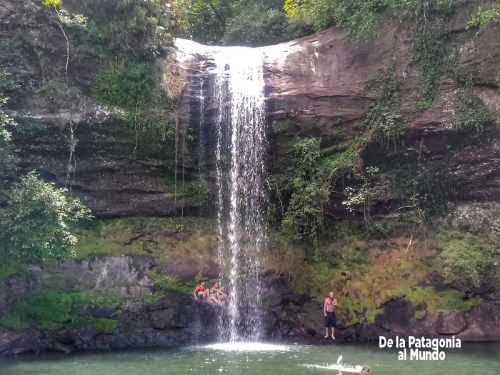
(240, 170)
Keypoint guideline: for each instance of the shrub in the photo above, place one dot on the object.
(466, 257)
(35, 222)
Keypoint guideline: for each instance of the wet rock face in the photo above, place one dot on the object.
(108, 179)
(484, 323)
(450, 323)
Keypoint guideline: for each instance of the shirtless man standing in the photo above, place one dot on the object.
(329, 311)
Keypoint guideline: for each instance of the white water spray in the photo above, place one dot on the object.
(240, 153)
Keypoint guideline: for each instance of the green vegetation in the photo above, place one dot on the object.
(34, 215)
(104, 325)
(237, 22)
(151, 299)
(383, 120)
(361, 18)
(256, 24)
(434, 55)
(366, 272)
(59, 310)
(11, 267)
(119, 27)
(485, 15)
(193, 192)
(35, 221)
(468, 256)
(471, 114)
(133, 87)
(160, 237)
(303, 189)
(174, 285)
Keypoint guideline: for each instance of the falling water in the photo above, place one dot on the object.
(240, 152)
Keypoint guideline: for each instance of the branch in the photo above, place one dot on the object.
(65, 37)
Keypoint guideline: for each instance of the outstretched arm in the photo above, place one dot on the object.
(221, 292)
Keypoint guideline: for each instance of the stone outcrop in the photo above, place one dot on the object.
(317, 84)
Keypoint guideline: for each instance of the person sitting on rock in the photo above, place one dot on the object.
(201, 292)
(217, 295)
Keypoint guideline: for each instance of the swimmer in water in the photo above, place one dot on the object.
(365, 369)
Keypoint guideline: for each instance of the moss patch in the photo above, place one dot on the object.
(56, 310)
(193, 192)
(11, 267)
(160, 237)
(151, 299)
(105, 325)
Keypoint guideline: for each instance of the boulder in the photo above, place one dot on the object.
(450, 323)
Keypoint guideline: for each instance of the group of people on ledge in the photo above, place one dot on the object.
(215, 295)
(212, 295)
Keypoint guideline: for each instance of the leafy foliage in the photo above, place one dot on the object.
(8, 158)
(434, 55)
(256, 25)
(363, 196)
(171, 284)
(194, 192)
(303, 190)
(35, 221)
(471, 113)
(309, 192)
(133, 87)
(52, 3)
(207, 19)
(383, 120)
(485, 16)
(125, 86)
(361, 18)
(235, 22)
(127, 28)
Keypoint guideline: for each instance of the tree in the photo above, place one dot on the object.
(235, 22)
(256, 25)
(208, 20)
(35, 222)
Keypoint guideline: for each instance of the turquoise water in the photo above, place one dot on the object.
(291, 360)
